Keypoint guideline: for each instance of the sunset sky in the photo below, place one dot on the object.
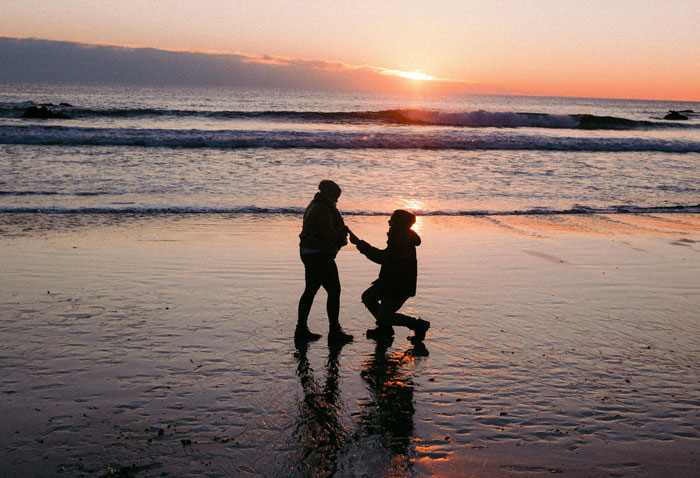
(594, 48)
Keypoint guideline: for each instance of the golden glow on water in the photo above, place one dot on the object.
(418, 226)
(414, 206)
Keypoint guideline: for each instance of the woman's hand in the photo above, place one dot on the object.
(353, 238)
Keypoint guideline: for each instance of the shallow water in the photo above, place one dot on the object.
(164, 342)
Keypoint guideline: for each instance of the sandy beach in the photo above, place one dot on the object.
(157, 345)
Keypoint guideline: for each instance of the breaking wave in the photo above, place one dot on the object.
(247, 139)
(474, 119)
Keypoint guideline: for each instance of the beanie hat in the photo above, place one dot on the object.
(329, 188)
(404, 218)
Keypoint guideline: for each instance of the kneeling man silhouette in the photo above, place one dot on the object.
(397, 278)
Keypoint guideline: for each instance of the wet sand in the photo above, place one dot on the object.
(161, 346)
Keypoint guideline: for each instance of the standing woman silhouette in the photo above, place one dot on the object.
(322, 235)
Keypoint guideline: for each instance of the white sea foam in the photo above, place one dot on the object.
(281, 139)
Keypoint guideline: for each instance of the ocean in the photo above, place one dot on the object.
(137, 149)
(150, 280)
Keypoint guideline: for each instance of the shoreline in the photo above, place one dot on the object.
(558, 344)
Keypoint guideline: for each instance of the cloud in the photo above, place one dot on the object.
(47, 60)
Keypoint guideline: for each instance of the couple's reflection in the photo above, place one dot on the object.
(384, 425)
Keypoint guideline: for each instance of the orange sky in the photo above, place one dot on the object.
(622, 49)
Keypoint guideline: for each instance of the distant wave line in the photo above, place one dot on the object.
(245, 139)
(417, 117)
(291, 210)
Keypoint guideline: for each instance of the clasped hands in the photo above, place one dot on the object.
(353, 238)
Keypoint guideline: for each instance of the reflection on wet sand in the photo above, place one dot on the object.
(384, 426)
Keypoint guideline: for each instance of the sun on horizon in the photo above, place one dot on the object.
(415, 75)
(410, 75)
